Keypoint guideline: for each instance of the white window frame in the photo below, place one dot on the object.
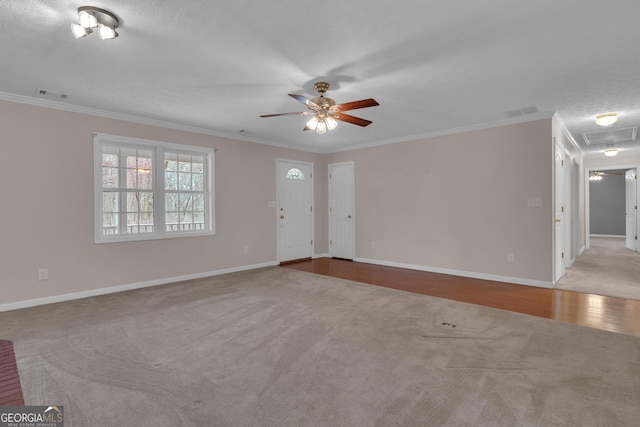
(158, 149)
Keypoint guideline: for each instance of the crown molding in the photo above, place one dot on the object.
(45, 103)
(5, 96)
(563, 127)
(452, 131)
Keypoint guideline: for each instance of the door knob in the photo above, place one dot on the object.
(281, 216)
(557, 220)
(348, 216)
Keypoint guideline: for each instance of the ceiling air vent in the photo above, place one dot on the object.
(523, 111)
(613, 136)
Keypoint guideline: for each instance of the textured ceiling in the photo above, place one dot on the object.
(434, 67)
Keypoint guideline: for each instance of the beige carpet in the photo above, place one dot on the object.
(606, 268)
(278, 347)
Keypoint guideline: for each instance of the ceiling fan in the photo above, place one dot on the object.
(597, 175)
(325, 111)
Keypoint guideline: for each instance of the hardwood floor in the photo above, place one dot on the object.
(594, 311)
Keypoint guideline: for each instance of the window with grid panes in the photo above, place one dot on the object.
(151, 190)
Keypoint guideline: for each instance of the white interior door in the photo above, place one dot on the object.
(631, 208)
(341, 210)
(295, 210)
(559, 235)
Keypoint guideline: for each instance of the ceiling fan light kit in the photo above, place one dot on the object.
(91, 18)
(595, 176)
(322, 124)
(599, 175)
(326, 113)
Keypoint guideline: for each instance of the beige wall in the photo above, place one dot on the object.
(455, 202)
(458, 202)
(47, 207)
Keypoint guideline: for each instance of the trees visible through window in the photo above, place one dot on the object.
(147, 190)
(127, 190)
(184, 191)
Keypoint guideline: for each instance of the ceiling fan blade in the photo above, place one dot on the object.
(306, 101)
(307, 128)
(363, 103)
(351, 119)
(300, 113)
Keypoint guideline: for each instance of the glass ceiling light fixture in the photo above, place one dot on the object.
(610, 152)
(607, 119)
(91, 18)
(322, 122)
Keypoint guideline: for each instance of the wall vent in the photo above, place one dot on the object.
(43, 93)
(523, 111)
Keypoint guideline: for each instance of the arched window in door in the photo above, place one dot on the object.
(295, 174)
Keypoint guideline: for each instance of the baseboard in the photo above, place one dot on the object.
(615, 236)
(581, 251)
(104, 291)
(320, 256)
(473, 275)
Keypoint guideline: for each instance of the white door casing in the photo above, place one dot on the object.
(568, 211)
(341, 210)
(294, 210)
(558, 207)
(631, 208)
(575, 197)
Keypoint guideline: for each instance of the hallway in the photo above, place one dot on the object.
(606, 268)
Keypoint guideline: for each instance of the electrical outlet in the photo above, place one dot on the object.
(245, 250)
(373, 245)
(43, 274)
(511, 258)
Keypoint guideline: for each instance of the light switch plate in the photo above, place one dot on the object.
(534, 202)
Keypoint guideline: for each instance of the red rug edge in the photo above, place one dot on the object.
(10, 387)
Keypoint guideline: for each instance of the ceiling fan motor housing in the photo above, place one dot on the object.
(324, 103)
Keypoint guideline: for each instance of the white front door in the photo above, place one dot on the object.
(295, 210)
(559, 213)
(631, 208)
(341, 210)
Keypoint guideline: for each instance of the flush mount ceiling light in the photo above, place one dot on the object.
(607, 119)
(92, 18)
(610, 152)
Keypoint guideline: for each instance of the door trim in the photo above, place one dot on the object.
(559, 214)
(634, 197)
